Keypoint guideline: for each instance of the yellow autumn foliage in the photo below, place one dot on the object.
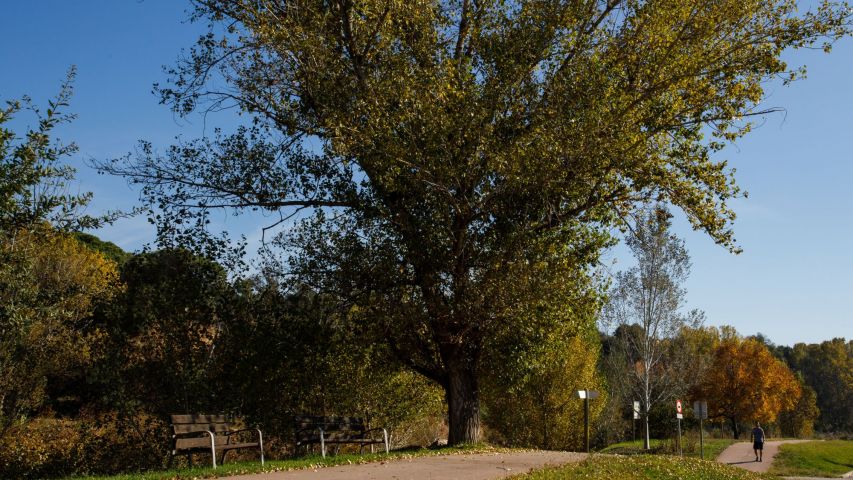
(746, 383)
(50, 285)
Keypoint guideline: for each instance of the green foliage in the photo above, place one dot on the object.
(182, 338)
(828, 369)
(799, 421)
(601, 467)
(540, 408)
(531, 401)
(50, 285)
(831, 458)
(293, 354)
(108, 249)
(34, 180)
(164, 331)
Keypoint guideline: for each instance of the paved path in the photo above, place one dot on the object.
(741, 455)
(484, 466)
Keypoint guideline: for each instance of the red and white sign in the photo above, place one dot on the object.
(678, 406)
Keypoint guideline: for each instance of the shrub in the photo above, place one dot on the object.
(40, 448)
(101, 444)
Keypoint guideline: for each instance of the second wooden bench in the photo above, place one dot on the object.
(324, 431)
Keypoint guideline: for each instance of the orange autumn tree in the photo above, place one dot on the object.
(746, 383)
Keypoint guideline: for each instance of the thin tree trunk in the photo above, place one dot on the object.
(463, 401)
(735, 429)
(648, 406)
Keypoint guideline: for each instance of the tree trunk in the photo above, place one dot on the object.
(463, 401)
(735, 429)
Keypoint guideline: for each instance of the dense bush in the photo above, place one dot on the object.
(49, 447)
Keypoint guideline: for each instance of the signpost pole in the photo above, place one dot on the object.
(586, 396)
(700, 409)
(680, 452)
(678, 416)
(635, 414)
(586, 420)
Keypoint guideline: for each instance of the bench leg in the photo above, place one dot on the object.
(212, 448)
(261, 446)
(385, 437)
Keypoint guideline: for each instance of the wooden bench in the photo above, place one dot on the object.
(324, 431)
(209, 433)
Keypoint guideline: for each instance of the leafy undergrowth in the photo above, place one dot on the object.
(713, 447)
(309, 462)
(814, 459)
(639, 467)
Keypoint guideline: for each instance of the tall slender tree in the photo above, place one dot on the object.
(746, 383)
(646, 310)
(452, 150)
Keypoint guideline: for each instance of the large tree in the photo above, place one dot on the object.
(747, 383)
(452, 147)
(828, 369)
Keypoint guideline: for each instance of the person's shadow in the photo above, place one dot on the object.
(740, 463)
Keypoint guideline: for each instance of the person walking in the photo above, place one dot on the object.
(758, 441)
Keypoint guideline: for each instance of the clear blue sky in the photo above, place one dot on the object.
(794, 281)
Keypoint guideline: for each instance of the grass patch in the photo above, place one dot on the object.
(656, 467)
(634, 447)
(313, 461)
(831, 458)
(713, 447)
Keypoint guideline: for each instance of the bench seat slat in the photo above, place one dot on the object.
(232, 446)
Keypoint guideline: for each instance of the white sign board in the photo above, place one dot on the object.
(590, 394)
(679, 416)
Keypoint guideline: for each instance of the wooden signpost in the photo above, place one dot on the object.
(586, 396)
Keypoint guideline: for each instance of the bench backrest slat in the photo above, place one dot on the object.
(182, 424)
(352, 424)
(201, 427)
(176, 419)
